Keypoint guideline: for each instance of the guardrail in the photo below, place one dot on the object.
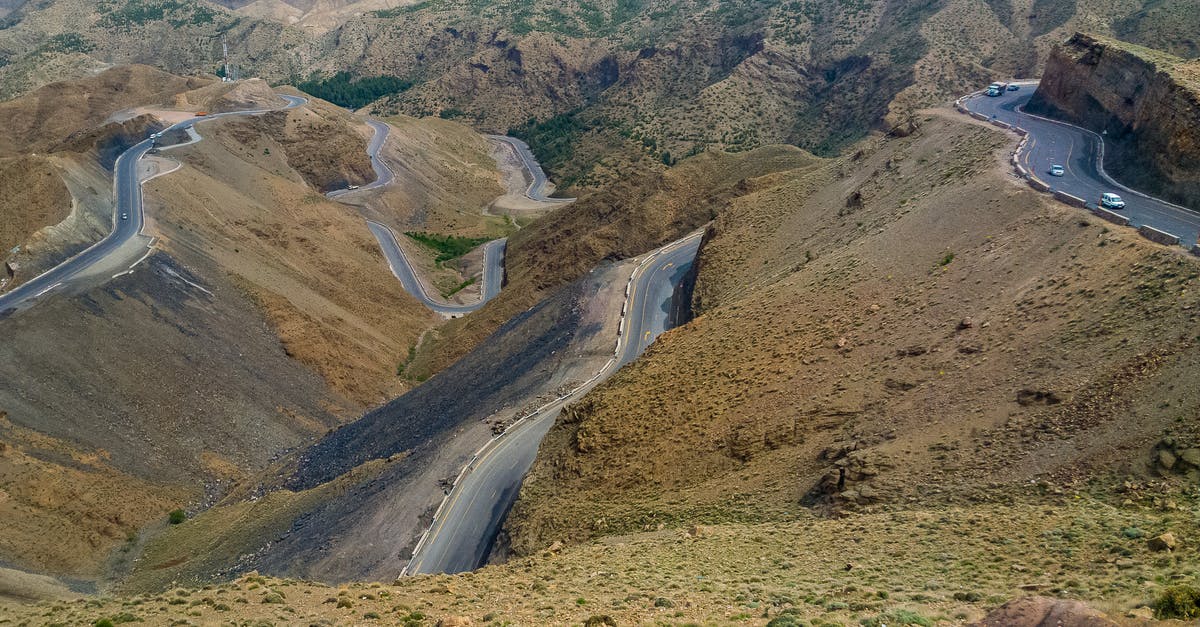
(1111, 216)
(1155, 235)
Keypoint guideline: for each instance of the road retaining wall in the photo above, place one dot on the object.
(1038, 184)
(979, 116)
(1155, 235)
(1110, 216)
(1074, 201)
(1003, 125)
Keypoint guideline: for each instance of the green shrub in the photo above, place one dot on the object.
(1181, 601)
(177, 516)
(897, 617)
(446, 246)
(1133, 533)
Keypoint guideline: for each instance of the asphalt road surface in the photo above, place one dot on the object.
(493, 272)
(383, 174)
(537, 178)
(1078, 151)
(128, 201)
(466, 526)
(493, 251)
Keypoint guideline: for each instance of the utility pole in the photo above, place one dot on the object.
(225, 54)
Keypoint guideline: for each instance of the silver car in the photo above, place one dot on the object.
(1111, 201)
(1057, 170)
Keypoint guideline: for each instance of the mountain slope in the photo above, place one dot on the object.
(903, 327)
(604, 87)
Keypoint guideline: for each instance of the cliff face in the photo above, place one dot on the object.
(1147, 103)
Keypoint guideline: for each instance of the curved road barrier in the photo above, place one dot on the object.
(127, 201)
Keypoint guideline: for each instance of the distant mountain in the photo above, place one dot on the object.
(601, 87)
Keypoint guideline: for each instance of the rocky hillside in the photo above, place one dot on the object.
(1146, 103)
(600, 88)
(903, 327)
(265, 315)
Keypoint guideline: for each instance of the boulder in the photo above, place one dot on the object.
(1164, 542)
(1045, 612)
(1191, 457)
(1166, 459)
(455, 621)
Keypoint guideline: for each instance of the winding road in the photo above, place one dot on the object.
(537, 178)
(128, 201)
(492, 276)
(465, 526)
(1080, 152)
(383, 174)
(493, 271)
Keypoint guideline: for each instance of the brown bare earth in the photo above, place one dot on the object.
(50, 488)
(245, 201)
(265, 316)
(626, 220)
(445, 176)
(49, 115)
(906, 326)
(34, 196)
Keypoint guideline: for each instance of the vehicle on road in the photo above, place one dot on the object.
(993, 91)
(1013, 87)
(124, 216)
(201, 114)
(1111, 201)
(352, 187)
(1057, 170)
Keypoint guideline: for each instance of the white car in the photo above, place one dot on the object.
(1111, 201)
(124, 216)
(1057, 170)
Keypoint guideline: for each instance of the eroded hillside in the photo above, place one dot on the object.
(906, 326)
(263, 316)
(600, 89)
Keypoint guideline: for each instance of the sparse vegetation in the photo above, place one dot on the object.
(460, 287)
(177, 516)
(447, 247)
(1180, 601)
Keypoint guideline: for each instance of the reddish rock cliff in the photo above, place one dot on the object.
(1146, 102)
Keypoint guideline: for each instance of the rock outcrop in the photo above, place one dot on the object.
(1045, 612)
(1147, 104)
